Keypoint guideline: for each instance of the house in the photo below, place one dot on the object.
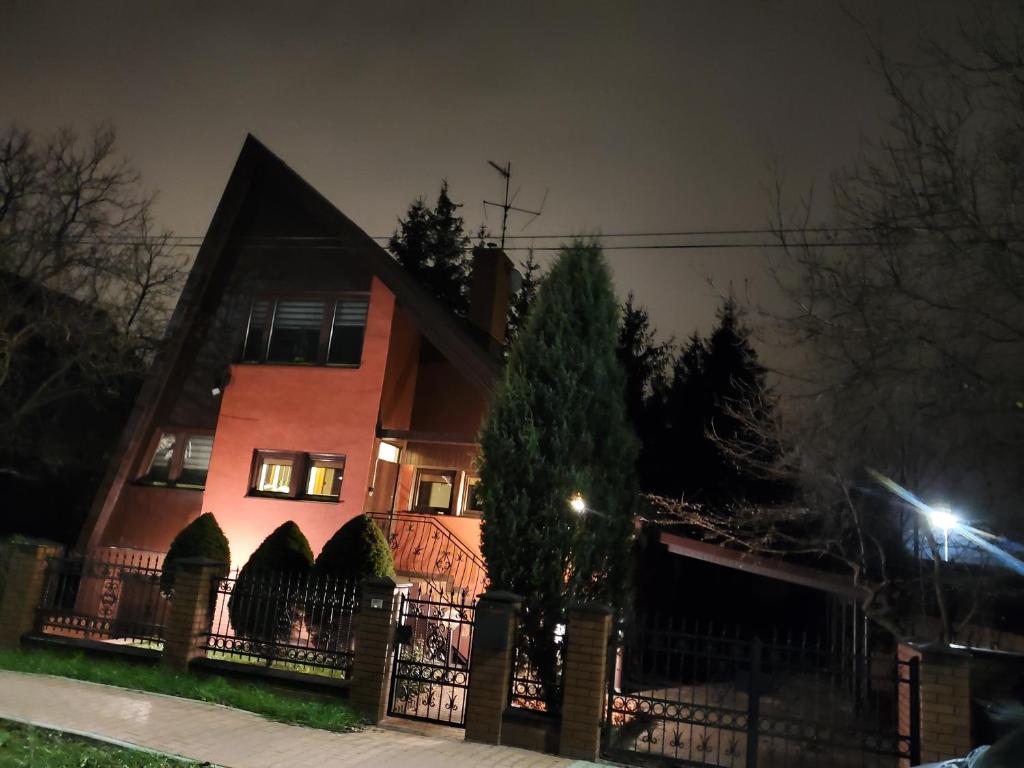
(308, 377)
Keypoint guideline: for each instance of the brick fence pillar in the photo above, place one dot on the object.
(945, 702)
(584, 680)
(497, 616)
(374, 647)
(22, 582)
(195, 589)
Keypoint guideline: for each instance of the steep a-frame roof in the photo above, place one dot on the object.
(336, 233)
(451, 335)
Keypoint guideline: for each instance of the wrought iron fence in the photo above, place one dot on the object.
(528, 690)
(422, 547)
(431, 671)
(107, 596)
(690, 694)
(284, 621)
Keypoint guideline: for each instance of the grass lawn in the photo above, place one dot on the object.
(22, 746)
(329, 716)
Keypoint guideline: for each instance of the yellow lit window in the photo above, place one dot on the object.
(275, 476)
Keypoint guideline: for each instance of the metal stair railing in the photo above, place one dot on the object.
(424, 548)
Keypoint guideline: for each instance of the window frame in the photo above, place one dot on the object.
(302, 462)
(420, 471)
(465, 509)
(327, 327)
(174, 469)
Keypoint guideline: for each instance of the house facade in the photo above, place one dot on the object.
(306, 377)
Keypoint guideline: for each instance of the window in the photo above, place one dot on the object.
(306, 331)
(346, 343)
(293, 475)
(160, 466)
(434, 491)
(471, 504)
(195, 461)
(181, 459)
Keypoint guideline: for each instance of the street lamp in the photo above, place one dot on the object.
(942, 518)
(577, 504)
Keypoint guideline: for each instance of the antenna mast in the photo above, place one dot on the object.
(506, 206)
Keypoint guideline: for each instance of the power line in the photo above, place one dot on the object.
(606, 235)
(326, 244)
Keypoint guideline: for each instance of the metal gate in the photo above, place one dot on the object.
(680, 696)
(430, 676)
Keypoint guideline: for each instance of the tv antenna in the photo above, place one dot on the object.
(506, 172)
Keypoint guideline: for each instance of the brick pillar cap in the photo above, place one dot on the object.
(599, 609)
(501, 596)
(380, 582)
(35, 545)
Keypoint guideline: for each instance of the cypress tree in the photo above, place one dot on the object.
(263, 604)
(202, 537)
(357, 550)
(558, 427)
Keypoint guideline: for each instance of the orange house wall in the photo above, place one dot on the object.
(298, 408)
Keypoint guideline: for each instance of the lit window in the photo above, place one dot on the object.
(274, 475)
(471, 505)
(346, 346)
(434, 491)
(324, 477)
(196, 460)
(295, 475)
(181, 459)
(388, 452)
(163, 458)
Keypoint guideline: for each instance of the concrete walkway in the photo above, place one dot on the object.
(233, 738)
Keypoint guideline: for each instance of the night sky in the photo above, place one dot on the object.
(636, 117)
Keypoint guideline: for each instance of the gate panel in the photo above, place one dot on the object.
(682, 696)
(430, 677)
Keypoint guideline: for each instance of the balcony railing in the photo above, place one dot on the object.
(424, 548)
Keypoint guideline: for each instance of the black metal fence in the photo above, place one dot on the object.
(106, 596)
(283, 621)
(430, 677)
(688, 695)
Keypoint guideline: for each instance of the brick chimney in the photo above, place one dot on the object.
(493, 281)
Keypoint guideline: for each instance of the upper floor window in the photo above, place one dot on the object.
(310, 331)
(180, 459)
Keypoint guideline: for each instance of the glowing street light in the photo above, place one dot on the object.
(942, 519)
(577, 503)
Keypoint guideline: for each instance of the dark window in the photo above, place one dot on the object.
(195, 462)
(434, 490)
(295, 475)
(472, 503)
(295, 332)
(256, 334)
(346, 346)
(159, 472)
(180, 459)
(306, 331)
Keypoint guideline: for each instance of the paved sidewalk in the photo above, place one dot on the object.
(232, 738)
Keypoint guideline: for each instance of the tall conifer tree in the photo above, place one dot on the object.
(558, 427)
(432, 245)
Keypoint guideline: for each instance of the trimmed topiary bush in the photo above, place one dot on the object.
(358, 550)
(200, 538)
(264, 600)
